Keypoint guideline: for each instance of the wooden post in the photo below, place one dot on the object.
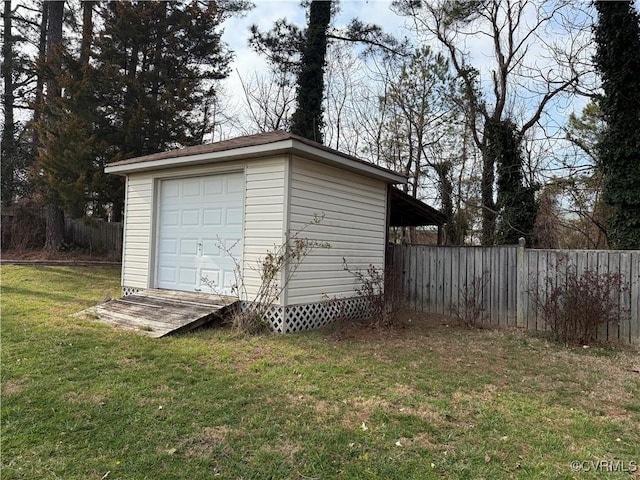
(520, 284)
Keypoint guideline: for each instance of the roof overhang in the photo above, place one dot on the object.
(406, 211)
(290, 144)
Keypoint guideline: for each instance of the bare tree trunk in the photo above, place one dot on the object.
(54, 216)
(87, 31)
(54, 41)
(42, 55)
(8, 147)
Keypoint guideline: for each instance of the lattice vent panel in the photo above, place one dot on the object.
(130, 291)
(309, 316)
(316, 315)
(274, 315)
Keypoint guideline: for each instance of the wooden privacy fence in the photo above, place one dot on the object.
(506, 280)
(97, 235)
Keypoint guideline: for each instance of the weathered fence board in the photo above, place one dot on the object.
(97, 236)
(510, 280)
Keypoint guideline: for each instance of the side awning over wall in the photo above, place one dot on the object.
(407, 211)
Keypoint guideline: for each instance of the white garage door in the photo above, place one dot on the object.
(200, 221)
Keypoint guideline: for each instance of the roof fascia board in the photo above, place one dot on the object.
(223, 155)
(281, 146)
(347, 163)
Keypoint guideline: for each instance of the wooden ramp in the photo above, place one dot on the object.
(157, 313)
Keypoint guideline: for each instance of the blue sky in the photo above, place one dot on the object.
(266, 12)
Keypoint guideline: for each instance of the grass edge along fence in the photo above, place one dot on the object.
(505, 282)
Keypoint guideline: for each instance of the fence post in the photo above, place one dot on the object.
(520, 284)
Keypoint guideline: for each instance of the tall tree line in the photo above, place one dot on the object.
(139, 84)
(491, 108)
(140, 77)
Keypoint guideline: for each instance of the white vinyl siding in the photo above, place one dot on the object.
(263, 215)
(354, 208)
(137, 232)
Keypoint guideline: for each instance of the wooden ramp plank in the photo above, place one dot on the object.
(157, 313)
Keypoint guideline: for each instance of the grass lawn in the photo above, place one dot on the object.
(81, 400)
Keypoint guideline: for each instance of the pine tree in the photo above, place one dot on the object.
(138, 87)
(617, 36)
(159, 62)
(8, 152)
(54, 214)
(302, 53)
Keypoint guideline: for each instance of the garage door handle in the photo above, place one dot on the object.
(199, 247)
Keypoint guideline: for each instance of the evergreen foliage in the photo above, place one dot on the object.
(617, 36)
(516, 204)
(158, 62)
(14, 153)
(54, 215)
(153, 70)
(295, 53)
(307, 120)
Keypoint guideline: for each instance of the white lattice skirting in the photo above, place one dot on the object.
(307, 316)
(130, 290)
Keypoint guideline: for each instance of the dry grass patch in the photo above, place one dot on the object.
(203, 444)
(86, 398)
(14, 386)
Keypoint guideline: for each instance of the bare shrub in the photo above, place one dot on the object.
(27, 226)
(577, 307)
(249, 322)
(468, 312)
(381, 291)
(275, 270)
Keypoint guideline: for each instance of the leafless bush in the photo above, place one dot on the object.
(468, 312)
(578, 306)
(27, 226)
(381, 291)
(275, 270)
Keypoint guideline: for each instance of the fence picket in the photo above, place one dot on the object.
(510, 279)
(97, 236)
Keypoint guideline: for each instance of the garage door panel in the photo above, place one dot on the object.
(197, 216)
(210, 280)
(191, 187)
(187, 276)
(211, 248)
(213, 186)
(229, 280)
(171, 190)
(190, 218)
(189, 247)
(233, 247)
(168, 246)
(235, 184)
(233, 216)
(212, 217)
(169, 218)
(167, 275)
